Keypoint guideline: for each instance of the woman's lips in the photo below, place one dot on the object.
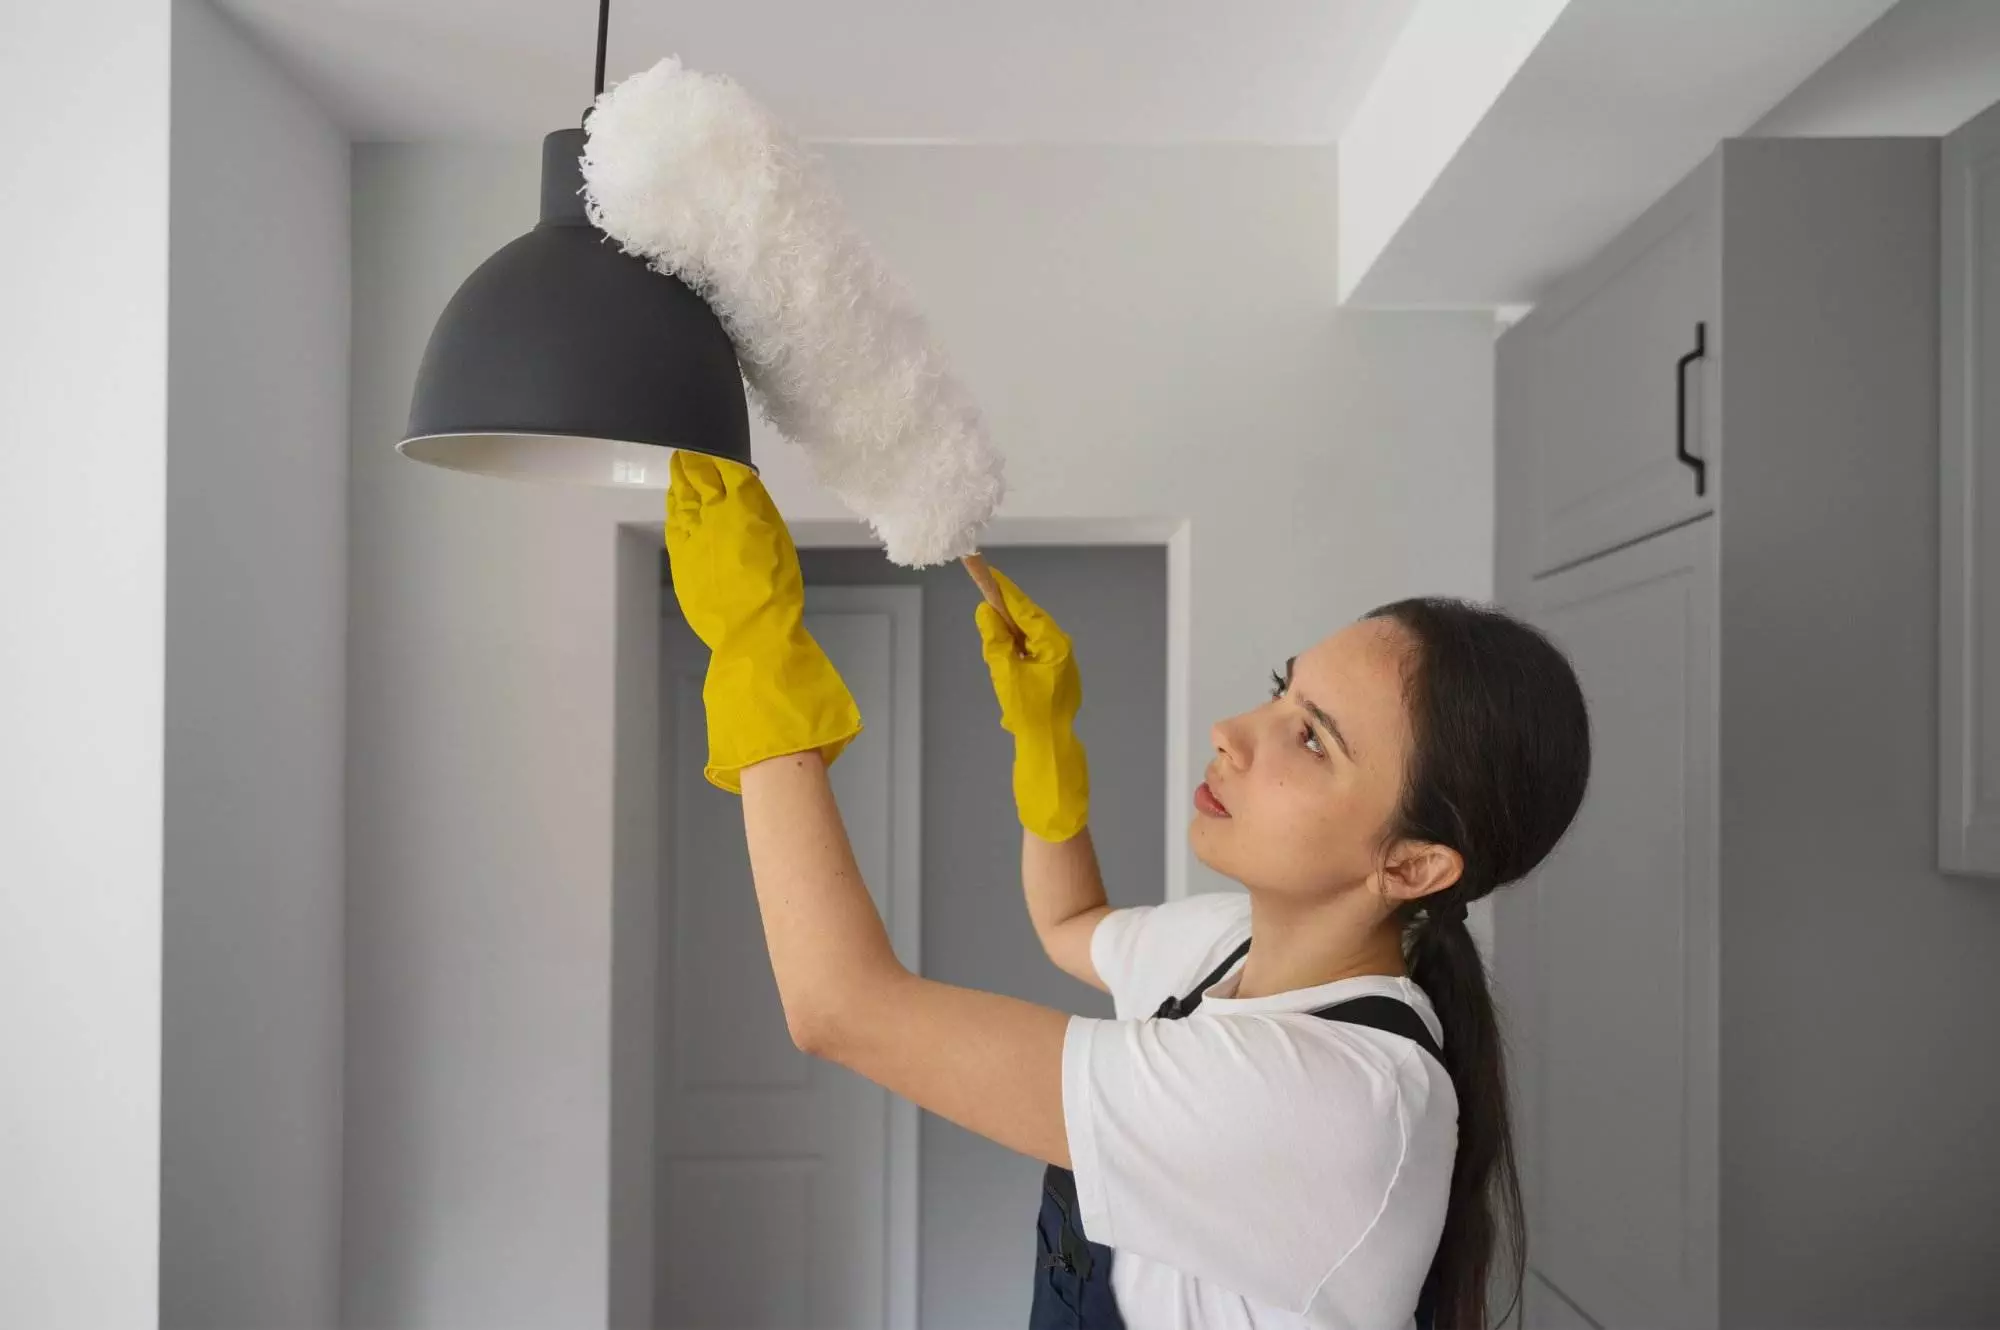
(1206, 803)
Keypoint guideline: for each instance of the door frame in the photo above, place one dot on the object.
(639, 856)
(1175, 536)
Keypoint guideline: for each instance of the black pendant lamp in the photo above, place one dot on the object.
(562, 358)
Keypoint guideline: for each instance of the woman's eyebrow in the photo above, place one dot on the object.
(1327, 722)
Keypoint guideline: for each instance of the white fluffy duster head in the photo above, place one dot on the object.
(687, 171)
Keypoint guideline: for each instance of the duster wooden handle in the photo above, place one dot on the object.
(975, 564)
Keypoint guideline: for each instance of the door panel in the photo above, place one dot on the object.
(1608, 950)
(786, 1185)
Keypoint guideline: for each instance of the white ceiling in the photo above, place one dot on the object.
(1011, 71)
(1617, 100)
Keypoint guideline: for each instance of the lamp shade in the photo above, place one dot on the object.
(562, 358)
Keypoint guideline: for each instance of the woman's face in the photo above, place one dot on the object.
(1310, 779)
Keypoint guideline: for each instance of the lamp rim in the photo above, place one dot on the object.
(638, 477)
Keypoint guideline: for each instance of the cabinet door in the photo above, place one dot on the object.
(1969, 485)
(1597, 384)
(1607, 953)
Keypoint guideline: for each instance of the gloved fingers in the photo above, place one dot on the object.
(697, 475)
(683, 500)
(729, 481)
(749, 494)
(1020, 607)
(732, 475)
(729, 492)
(1046, 641)
(996, 640)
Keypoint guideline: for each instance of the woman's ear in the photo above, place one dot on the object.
(1418, 868)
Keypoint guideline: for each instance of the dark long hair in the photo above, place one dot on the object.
(1500, 758)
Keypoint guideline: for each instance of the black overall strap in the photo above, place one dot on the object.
(1174, 1008)
(1378, 1011)
(1072, 1286)
(1073, 1254)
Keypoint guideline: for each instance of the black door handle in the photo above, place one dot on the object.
(1681, 408)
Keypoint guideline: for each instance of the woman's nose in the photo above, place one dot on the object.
(1227, 736)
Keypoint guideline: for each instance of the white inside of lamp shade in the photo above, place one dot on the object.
(550, 458)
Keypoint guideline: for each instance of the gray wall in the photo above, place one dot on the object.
(83, 511)
(256, 589)
(1859, 984)
(979, 1199)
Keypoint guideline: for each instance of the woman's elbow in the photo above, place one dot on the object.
(813, 1029)
(832, 1024)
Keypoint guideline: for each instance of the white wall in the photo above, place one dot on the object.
(83, 423)
(1153, 334)
(1449, 64)
(256, 581)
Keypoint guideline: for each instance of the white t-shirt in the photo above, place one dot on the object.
(1253, 1167)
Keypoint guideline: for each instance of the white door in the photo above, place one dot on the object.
(1607, 953)
(786, 1186)
(1598, 382)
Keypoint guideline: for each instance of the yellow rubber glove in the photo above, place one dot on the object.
(770, 689)
(1039, 695)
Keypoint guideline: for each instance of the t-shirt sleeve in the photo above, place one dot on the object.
(1253, 1151)
(1148, 952)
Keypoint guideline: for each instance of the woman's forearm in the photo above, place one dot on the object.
(828, 948)
(1061, 879)
(991, 1064)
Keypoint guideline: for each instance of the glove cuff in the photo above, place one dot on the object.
(1052, 785)
(725, 768)
(774, 704)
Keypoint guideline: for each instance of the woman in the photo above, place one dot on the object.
(1310, 1131)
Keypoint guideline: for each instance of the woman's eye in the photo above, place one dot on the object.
(1306, 735)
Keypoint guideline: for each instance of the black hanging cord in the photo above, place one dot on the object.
(603, 24)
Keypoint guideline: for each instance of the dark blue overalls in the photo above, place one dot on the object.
(1073, 1274)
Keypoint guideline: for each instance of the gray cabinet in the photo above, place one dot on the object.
(1617, 383)
(1739, 647)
